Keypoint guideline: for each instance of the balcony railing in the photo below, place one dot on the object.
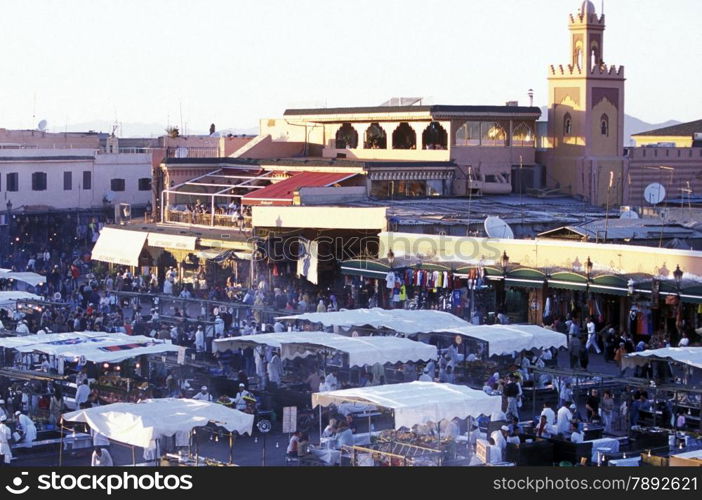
(206, 219)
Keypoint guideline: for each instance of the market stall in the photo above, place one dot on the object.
(404, 321)
(690, 356)
(8, 299)
(361, 351)
(413, 405)
(143, 424)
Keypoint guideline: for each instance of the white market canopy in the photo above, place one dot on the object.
(98, 347)
(507, 339)
(362, 351)
(691, 356)
(8, 300)
(119, 246)
(405, 321)
(417, 402)
(140, 424)
(30, 278)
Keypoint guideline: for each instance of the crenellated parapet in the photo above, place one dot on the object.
(589, 19)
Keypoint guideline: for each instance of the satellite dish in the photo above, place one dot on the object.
(181, 152)
(654, 193)
(497, 228)
(42, 125)
(628, 214)
(57, 296)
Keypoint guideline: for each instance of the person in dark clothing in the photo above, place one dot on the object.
(592, 404)
(584, 358)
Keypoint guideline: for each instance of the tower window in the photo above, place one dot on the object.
(567, 124)
(604, 125)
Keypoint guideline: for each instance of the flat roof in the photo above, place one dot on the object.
(433, 110)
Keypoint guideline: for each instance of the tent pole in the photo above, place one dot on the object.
(133, 456)
(61, 444)
(231, 447)
(320, 425)
(533, 394)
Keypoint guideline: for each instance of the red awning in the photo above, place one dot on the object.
(281, 193)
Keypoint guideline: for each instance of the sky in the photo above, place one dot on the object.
(233, 62)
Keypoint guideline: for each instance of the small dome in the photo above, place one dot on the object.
(587, 8)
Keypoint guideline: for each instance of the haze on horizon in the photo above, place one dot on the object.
(233, 63)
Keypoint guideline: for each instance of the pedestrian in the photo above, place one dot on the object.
(591, 335)
(607, 409)
(101, 458)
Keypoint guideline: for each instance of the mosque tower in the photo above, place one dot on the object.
(585, 139)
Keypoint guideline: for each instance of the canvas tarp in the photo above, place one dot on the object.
(362, 351)
(9, 299)
(140, 424)
(508, 339)
(417, 402)
(98, 347)
(119, 246)
(691, 356)
(404, 321)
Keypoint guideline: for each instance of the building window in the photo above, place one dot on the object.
(13, 181)
(376, 138)
(494, 133)
(67, 181)
(604, 125)
(404, 137)
(346, 137)
(87, 179)
(117, 185)
(567, 125)
(434, 136)
(39, 181)
(468, 134)
(145, 184)
(523, 135)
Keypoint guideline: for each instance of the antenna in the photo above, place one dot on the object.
(180, 104)
(34, 109)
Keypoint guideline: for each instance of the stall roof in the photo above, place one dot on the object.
(281, 193)
(417, 402)
(362, 351)
(508, 339)
(98, 347)
(9, 299)
(119, 246)
(691, 356)
(400, 320)
(140, 424)
(32, 279)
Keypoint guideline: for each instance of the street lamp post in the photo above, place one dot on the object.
(505, 262)
(588, 270)
(9, 226)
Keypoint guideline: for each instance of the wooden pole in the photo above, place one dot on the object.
(61, 444)
(231, 447)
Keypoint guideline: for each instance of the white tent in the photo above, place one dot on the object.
(362, 351)
(8, 300)
(98, 347)
(417, 402)
(691, 356)
(29, 278)
(404, 321)
(508, 339)
(140, 424)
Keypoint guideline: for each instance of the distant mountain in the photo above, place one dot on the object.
(632, 125)
(137, 129)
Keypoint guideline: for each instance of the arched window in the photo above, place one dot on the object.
(567, 125)
(494, 133)
(434, 136)
(604, 125)
(523, 135)
(346, 137)
(375, 137)
(468, 134)
(404, 137)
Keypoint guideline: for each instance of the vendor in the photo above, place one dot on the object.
(330, 429)
(26, 426)
(544, 429)
(5, 437)
(240, 398)
(499, 438)
(203, 395)
(576, 436)
(344, 435)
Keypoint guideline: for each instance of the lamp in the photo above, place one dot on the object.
(505, 259)
(678, 274)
